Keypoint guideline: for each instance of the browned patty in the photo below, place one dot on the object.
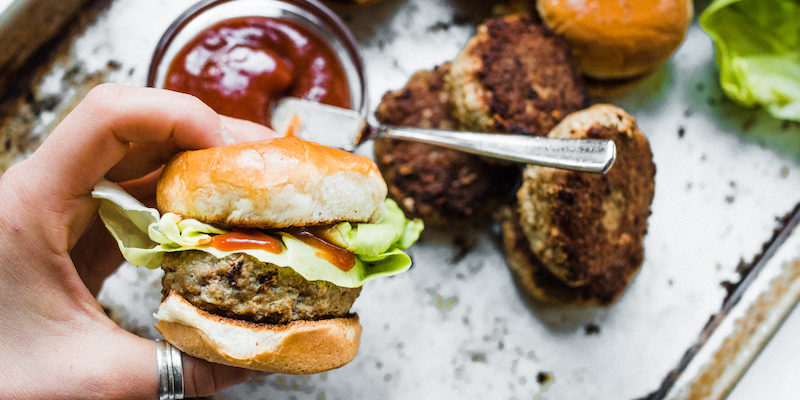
(241, 287)
(583, 227)
(516, 76)
(441, 186)
(423, 102)
(540, 284)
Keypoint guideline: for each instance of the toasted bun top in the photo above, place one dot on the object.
(272, 184)
(299, 347)
(617, 39)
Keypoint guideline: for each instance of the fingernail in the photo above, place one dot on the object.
(237, 131)
(225, 133)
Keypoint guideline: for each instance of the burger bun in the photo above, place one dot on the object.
(617, 39)
(275, 183)
(299, 347)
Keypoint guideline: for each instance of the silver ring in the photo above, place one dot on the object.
(170, 371)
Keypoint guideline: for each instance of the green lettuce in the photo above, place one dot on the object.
(758, 52)
(144, 237)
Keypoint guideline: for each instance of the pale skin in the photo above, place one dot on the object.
(55, 339)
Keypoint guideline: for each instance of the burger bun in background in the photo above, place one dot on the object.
(616, 42)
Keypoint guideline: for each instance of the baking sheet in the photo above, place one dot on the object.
(751, 315)
(455, 326)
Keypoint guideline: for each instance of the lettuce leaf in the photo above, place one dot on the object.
(368, 240)
(758, 52)
(144, 237)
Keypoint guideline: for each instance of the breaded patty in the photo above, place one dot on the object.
(540, 284)
(241, 287)
(515, 76)
(583, 227)
(441, 186)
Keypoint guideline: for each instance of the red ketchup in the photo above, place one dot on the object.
(243, 240)
(242, 66)
(341, 258)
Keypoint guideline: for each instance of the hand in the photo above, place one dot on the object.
(55, 340)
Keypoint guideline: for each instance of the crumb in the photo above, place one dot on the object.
(591, 329)
(113, 65)
(439, 26)
(72, 72)
(543, 377)
(48, 103)
(478, 357)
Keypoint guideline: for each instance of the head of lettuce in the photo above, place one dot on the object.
(758, 52)
(265, 247)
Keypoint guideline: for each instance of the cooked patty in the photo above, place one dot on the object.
(241, 287)
(442, 186)
(583, 226)
(540, 284)
(515, 76)
(423, 102)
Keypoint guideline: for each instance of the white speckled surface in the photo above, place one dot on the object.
(459, 329)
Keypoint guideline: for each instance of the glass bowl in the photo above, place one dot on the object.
(310, 14)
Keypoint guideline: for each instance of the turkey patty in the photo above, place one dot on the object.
(241, 287)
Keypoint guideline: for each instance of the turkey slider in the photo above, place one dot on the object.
(264, 247)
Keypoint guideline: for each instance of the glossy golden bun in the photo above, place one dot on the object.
(618, 39)
(299, 347)
(272, 184)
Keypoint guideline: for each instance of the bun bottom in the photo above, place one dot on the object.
(299, 347)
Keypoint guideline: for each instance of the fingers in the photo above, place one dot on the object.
(235, 130)
(110, 363)
(144, 188)
(97, 135)
(143, 158)
(202, 378)
(96, 256)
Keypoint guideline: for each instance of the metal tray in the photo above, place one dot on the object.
(455, 326)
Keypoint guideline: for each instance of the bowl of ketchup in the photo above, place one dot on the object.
(241, 56)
